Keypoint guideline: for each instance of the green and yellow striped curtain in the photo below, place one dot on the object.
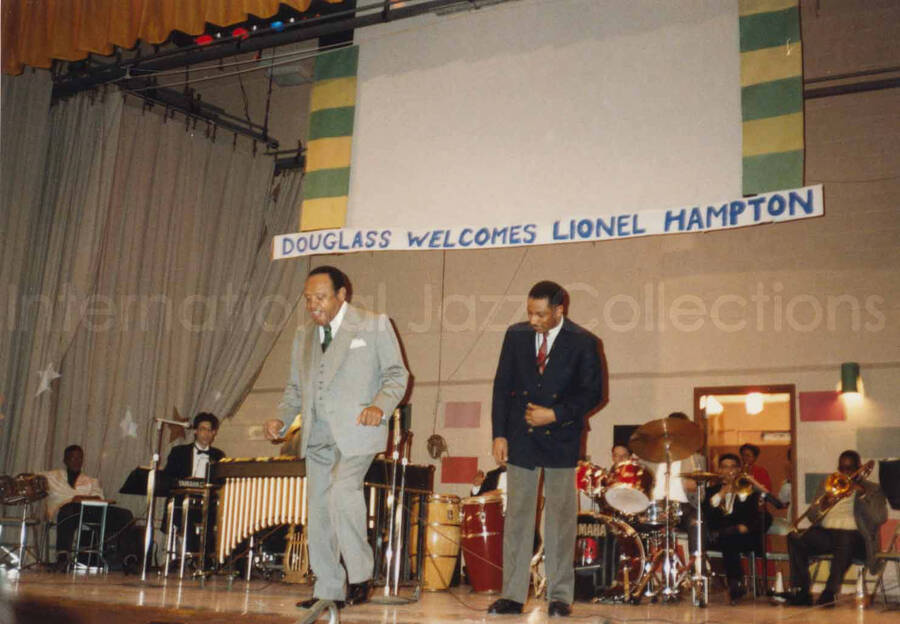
(332, 106)
(771, 95)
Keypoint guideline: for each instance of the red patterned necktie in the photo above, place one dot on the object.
(542, 355)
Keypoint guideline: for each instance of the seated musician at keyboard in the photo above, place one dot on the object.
(66, 490)
(192, 461)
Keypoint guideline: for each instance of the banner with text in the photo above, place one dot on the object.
(787, 205)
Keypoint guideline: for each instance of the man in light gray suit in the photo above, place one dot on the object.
(347, 376)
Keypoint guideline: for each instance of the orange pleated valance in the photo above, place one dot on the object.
(35, 32)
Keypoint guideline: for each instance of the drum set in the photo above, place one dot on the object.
(628, 545)
(23, 489)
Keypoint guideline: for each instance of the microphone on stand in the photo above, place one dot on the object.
(772, 500)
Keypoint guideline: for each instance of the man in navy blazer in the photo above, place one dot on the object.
(548, 380)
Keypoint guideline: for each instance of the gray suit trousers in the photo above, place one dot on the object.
(560, 524)
(337, 515)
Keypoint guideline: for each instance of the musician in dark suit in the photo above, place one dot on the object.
(848, 530)
(548, 380)
(485, 483)
(734, 521)
(193, 460)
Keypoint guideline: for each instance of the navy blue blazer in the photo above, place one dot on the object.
(572, 385)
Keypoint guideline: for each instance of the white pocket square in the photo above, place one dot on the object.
(356, 343)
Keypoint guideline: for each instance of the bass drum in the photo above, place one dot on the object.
(609, 558)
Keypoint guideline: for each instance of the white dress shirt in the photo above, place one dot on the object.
(60, 492)
(201, 461)
(551, 338)
(676, 486)
(335, 324)
(728, 507)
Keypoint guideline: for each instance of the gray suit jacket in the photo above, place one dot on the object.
(363, 366)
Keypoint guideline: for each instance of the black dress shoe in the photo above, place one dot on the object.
(505, 607)
(358, 593)
(798, 599)
(309, 603)
(736, 591)
(826, 599)
(558, 607)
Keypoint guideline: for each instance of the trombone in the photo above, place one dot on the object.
(838, 486)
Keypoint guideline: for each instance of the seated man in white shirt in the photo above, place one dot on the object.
(682, 491)
(66, 489)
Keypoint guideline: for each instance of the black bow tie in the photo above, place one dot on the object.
(201, 452)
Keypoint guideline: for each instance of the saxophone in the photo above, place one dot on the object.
(838, 486)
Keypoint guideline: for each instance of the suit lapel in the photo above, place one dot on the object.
(339, 347)
(530, 355)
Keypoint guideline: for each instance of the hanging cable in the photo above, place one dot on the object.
(268, 104)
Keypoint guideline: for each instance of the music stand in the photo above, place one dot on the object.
(151, 488)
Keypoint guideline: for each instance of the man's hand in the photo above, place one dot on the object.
(272, 429)
(538, 416)
(478, 479)
(742, 529)
(500, 451)
(370, 417)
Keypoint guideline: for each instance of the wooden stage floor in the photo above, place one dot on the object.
(50, 598)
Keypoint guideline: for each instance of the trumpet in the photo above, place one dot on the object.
(743, 486)
(838, 486)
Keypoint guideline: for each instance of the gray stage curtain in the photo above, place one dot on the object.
(24, 226)
(182, 304)
(60, 261)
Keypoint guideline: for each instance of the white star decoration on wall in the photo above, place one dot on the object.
(128, 426)
(47, 377)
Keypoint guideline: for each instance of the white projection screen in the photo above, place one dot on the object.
(536, 108)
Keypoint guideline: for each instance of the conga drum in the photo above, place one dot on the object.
(482, 541)
(441, 540)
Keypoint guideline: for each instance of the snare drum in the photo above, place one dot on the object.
(656, 513)
(482, 541)
(628, 487)
(442, 522)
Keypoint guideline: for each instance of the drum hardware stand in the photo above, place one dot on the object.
(698, 580)
(393, 554)
(670, 568)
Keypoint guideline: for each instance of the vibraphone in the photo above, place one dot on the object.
(257, 494)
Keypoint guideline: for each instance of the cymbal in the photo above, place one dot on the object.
(680, 437)
(700, 475)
